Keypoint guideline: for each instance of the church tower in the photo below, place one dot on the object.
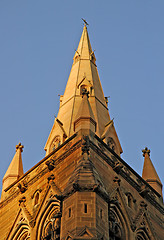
(82, 189)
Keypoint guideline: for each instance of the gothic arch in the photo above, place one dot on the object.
(118, 224)
(55, 143)
(49, 221)
(142, 234)
(20, 229)
(131, 202)
(21, 232)
(144, 229)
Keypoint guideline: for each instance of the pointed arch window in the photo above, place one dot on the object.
(115, 232)
(36, 199)
(55, 143)
(49, 223)
(22, 232)
(51, 229)
(142, 234)
(83, 88)
(130, 200)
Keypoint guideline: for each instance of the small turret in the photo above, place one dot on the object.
(14, 171)
(149, 173)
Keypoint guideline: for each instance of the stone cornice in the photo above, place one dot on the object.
(44, 159)
(118, 165)
(129, 174)
(15, 188)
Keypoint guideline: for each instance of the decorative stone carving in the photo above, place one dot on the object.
(85, 145)
(117, 180)
(51, 178)
(50, 164)
(111, 144)
(22, 201)
(117, 167)
(101, 146)
(22, 186)
(144, 190)
(67, 146)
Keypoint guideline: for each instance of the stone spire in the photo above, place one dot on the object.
(15, 169)
(149, 173)
(83, 77)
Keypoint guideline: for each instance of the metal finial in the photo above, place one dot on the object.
(85, 22)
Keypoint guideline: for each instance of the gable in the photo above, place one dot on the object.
(20, 228)
(111, 139)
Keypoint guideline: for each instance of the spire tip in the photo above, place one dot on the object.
(85, 22)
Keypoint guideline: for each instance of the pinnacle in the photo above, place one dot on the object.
(149, 173)
(146, 151)
(15, 169)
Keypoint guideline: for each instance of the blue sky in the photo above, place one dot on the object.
(37, 45)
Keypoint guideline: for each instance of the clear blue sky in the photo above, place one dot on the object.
(37, 42)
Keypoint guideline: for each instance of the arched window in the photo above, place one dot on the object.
(48, 227)
(55, 143)
(36, 199)
(115, 232)
(118, 222)
(51, 229)
(139, 238)
(83, 88)
(48, 232)
(21, 233)
(130, 200)
(24, 236)
(101, 213)
(142, 234)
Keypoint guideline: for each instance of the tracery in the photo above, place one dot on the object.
(115, 231)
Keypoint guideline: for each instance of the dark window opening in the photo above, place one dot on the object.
(69, 212)
(48, 233)
(129, 201)
(85, 208)
(101, 213)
